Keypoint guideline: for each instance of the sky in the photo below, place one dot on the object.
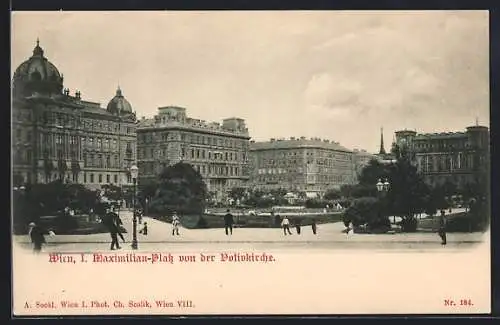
(338, 75)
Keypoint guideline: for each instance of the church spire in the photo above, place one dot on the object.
(382, 149)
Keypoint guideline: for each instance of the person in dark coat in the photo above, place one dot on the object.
(144, 229)
(313, 226)
(228, 222)
(37, 235)
(111, 220)
(119, 224)
(297, 225)
(442, 227)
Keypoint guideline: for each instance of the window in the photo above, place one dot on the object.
(108, 178)
(85, 177)
(108, 162)
(75, 177)
(100, 178)
(92, 178)
(115, 178)
(99, 161)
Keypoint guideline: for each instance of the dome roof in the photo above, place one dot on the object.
(119, 105)
(37, 74)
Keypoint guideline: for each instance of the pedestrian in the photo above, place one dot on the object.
(140, 214)
(297, 225)
(37, 236)
(350, 229)
(175, 225)
(285, 223)
(442, 227)
(228, 222)
(119, 224)
(111, 222)
(313, 226)
(144, 229)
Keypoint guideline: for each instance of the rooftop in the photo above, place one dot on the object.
(301, 142)
(443, 135)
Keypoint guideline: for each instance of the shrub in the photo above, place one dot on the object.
(366, 211)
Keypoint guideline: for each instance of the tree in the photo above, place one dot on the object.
(367, 211)
(180, 189)
(332, 194)
(237, 193)
(112, 192)
(407, 190)
(372, 172)
(146, 190)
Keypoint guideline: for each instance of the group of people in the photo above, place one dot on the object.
(115, 226)
(285, 224)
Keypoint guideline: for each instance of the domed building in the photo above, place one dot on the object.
(118, 105)
(37, 75)
(58, 135)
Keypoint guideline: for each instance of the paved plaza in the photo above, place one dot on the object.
(329, 236)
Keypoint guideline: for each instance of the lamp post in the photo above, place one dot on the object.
(383, 188)
(133, 172)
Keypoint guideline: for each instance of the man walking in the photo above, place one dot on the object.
(442, 228)
(111, 221)
(285, 223)
(228, 222)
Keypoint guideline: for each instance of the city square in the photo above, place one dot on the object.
(329, 237)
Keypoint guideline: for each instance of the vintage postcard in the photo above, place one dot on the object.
(250, 162)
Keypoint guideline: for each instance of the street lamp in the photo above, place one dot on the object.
(386, 186)
(382, 188)
(133, 172)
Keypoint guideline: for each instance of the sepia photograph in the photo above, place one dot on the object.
(250, 162)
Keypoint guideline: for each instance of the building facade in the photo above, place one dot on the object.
(301, 165)
(457, 157)
(56, 135)
(219, 152)
(361, 158)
